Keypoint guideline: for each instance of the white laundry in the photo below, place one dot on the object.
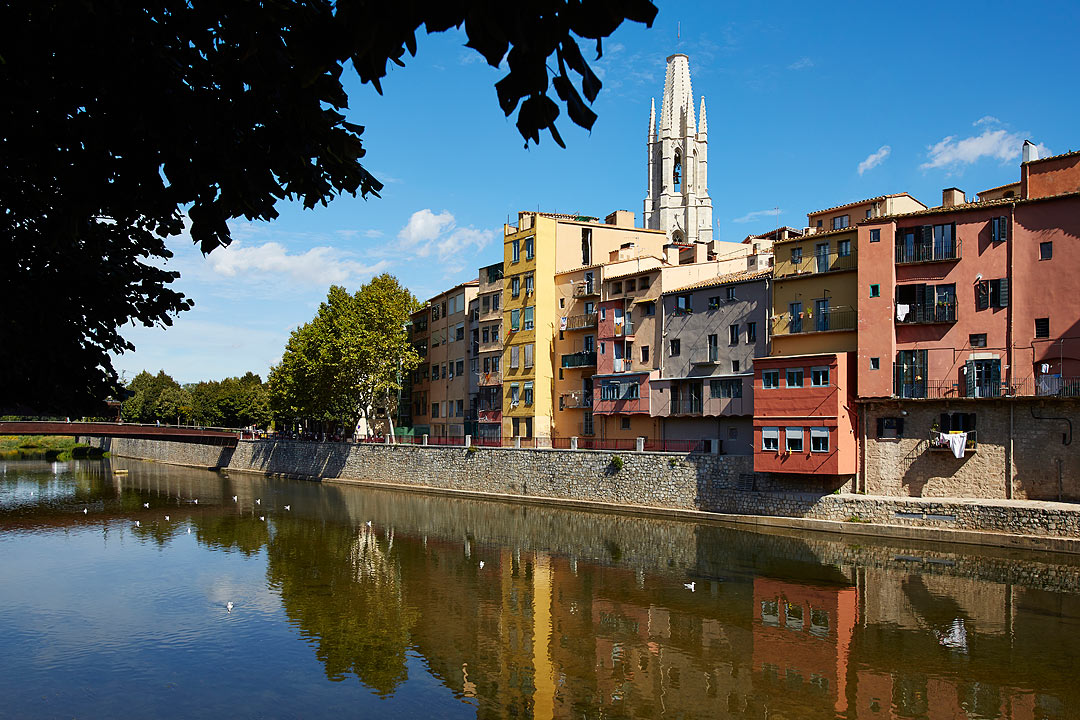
(902, 311)
(956, 442)
(562, 323)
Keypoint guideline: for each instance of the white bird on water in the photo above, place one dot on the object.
(146, 505)
(258, 501)
(288, 507)
(481, 564)
(229, 606)
(84, 511)
(189, 531)
(262, 518)
(234, 498)
(690, 586)
(196, 501)
(138, 524)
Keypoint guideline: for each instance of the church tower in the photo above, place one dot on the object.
(677, 199)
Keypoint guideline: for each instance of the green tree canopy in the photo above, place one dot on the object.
(350, 359)
(121, 117)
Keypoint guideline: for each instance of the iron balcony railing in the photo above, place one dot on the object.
(585, 358)
(1056, 386)
(817, 263)
(576, 400)
(816, 322)
(488, 378)
(923, 313)
(581, 322)
(586, 289)
(927, 252)
(937, 442)
(623, 365)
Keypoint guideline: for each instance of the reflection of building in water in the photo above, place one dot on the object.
(802, 642)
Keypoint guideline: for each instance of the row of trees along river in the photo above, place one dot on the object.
(345, 364)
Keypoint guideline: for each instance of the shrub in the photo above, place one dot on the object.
(616, 463)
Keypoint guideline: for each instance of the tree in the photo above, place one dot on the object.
(349, 360)
(149, 398)
(118, 117)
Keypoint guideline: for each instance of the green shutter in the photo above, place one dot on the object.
(969, 378)
(1003, 292)
(982, 295)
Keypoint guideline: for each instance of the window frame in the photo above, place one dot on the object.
(674, 347)
(794, 433)
(775, 374)
(767, 434)
(788, 375)
(816, 434)
(814, 375)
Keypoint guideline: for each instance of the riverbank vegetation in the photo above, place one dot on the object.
(232, 402)
(51, 447)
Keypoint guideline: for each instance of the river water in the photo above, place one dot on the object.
(361, 602)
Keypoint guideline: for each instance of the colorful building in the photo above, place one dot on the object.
(486, 355)
(448, 349)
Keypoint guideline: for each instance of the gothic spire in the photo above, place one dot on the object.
(703, 127)
(676, 91)
(652, 120)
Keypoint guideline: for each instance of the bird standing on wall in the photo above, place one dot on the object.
(146, 505)
(690, 586)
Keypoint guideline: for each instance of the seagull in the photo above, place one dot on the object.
(84, 511)
(189, 531)
(258, 501)
(234, 498)
(166, 518)
(262, 518)
(196, 501)
(481, 564)
(146, 505)
(138, 524)
(229, 606)
(690, 586)
(288, 507)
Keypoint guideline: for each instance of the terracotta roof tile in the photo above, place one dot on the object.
(742, 276)
(1053, 157)
(862, 202)
(819, 233)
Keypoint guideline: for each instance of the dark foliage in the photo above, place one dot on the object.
(118, 116)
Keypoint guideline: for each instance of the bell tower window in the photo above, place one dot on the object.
(676, 175)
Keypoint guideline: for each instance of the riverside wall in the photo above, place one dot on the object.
(646, 482)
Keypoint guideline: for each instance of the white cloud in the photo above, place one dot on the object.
(317, 266)
(429, 233)
(874, 159)
(986, 120)
(951, 151)
(751, 216)
(373, 233)
(801, 64)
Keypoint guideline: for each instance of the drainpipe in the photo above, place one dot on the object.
(1009, 354)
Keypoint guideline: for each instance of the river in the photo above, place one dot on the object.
(364, 602)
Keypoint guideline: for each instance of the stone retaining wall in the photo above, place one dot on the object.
(695, 482)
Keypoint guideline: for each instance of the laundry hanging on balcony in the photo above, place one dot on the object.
(902, 311)
(562, 323)
(956, 441)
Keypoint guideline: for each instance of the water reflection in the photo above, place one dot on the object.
(440, 605)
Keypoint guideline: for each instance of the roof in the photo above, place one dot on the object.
(772, 232)
(1052, 157)
(815, 235)
(970, 206)
(879, 198)
(737, 277)
(579, 269)
(998, 187)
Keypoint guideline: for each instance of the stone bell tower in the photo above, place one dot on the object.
(677, 199)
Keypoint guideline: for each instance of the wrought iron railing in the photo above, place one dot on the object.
(581, 322)
(927, 252)
(585, 358)
(923, 313)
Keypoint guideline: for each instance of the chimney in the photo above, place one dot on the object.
(671, 254)
(620, 218)
(1031, 151)
(951, 197)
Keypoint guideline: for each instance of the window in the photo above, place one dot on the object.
(819, 223)
(590, 343)
(643, 283)
(733, 433)
(460, 408)
(528, 394)
(514, 393)
(644, 353)
(461, 367)
(890, 427)
(794, 377)
(794, 437)
(434, 410)
(495, 302)
(734, 366)
(1046, 250)
(733, 334)
(1042, 327)
(875, 363)
(875, 235)
(751, 332)
(819, 439)
(494, 333)
(616, 287)
(673, 350)
(527, 318)
(487, 365)
(714, 302)
(875, 291)
(515, 250)
(515, 354)
(770, 379)
(528, 284)
(867, 213)
(485, 303)
(729, 293)
(683, 305)
(631, 285)
(910, 380)
(450, 374)
(528, 355)
(495, 364)
(494, 273)
(819, 376)
(714, 349)
(650, 308)
(999, 229)
(962, 422)
(529, 254)
(843, 248)
(796, 255)
(725, 388)
(459, 332)
(434, 312)
(603, 346)
(795, 324)
(515, 286)
(770, 439)
(992, 293)
(485, 335)
(625, 423)
(977, 340)
(586, 246)
(840, 222)
(603, 314)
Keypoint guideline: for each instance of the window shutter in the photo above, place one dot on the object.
(995, 230)
(881, 427)
(982, 295)
(1003, 292)
(1003, 229)
(970, 378)
(899, 427)
(995, 378)
(946, 425)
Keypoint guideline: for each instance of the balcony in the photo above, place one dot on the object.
(585, 358)
(623, 365)
(816, 264)
(624, 328)
(940, 444)
(686, 406)
(1057, 386)
(581, 322)
(830, 321)
(927, 252)
(713, 358)
(586, 289)
(923, 314)
(488, 379)
(576, 400)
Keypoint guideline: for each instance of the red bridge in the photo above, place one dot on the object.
(211, 436)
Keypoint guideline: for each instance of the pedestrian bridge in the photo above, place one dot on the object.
(207, 436)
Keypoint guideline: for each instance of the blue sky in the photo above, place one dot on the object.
(809, 106)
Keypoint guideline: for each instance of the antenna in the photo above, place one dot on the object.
(678, 30)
